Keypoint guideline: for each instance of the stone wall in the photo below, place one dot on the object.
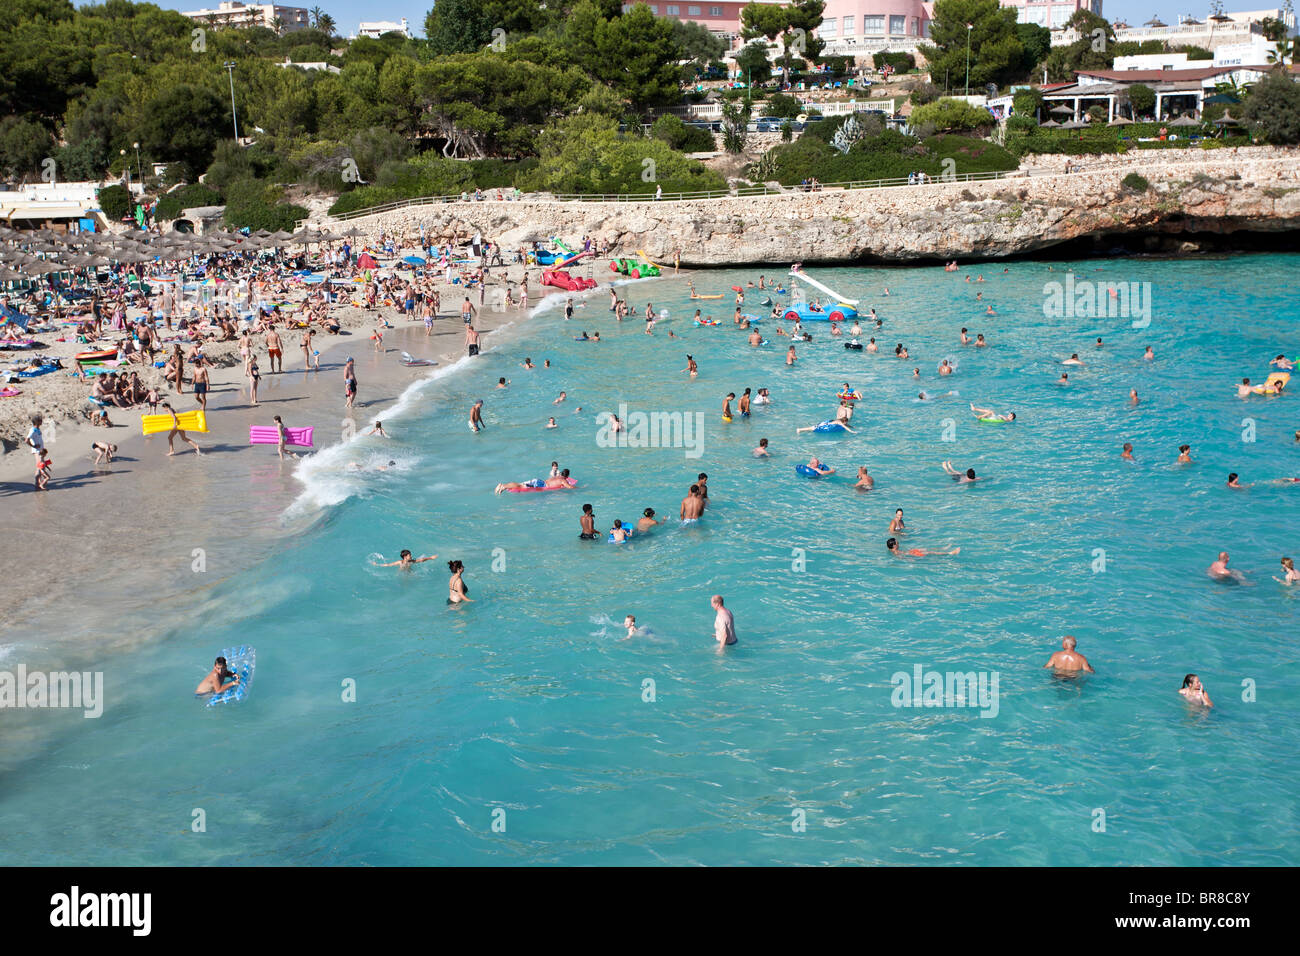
(938, 221)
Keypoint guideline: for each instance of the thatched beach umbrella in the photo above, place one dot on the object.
(1185, 120)
(1227, 119)
(8, 275)
(1063, 109)
(1120, 121)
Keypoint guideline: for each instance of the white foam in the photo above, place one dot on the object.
(329, 477)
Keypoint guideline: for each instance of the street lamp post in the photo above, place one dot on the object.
(126, 167)
(230, 68)
(969, 27)
(139, 172)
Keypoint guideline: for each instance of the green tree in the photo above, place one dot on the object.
(1142, 98)
(996, 54)
(1094, 50)
(458, 26)
(637, 56)
(1027, 103)
(24, 146)
(753, 62)
(183, 123)
(794, 24)
(1037, 42)
(783, 106)
(951, 115)
(700, 46)
(1272, 109)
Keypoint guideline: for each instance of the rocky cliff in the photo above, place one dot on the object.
(1005, 217)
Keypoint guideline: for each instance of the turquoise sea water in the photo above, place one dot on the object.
(527, 707)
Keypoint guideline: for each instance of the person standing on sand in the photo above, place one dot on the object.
(274, 348)
(254, 376)
(466, 311)
(471, 340)
(282, 438)
(176, 430)
(1067, 660)
(306, 350)
(201, 383)
(178, 371)
(724, 623)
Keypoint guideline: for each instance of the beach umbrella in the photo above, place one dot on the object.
(1063, 109)
(8, 275)
(1155, 22)
(1227, 120)
(262, 233)
(1120, 121)
(1073, 124)
(354, 232)
(1185, 120)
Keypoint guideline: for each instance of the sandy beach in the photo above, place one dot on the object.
(212, 514)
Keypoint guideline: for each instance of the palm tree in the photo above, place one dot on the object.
(325, 24)
(278, 26)
(314, 15)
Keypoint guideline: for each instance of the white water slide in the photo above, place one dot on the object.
(798, 273)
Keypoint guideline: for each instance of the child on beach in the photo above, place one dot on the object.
(104, 452)
(254, 375)
(283, 435)
(43, 465)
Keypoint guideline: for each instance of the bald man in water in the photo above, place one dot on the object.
(1067, 660)
(724, 624)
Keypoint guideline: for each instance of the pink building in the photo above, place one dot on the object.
(851, 22)
(1050, 13)
(720, 16)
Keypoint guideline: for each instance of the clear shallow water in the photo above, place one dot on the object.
(529, 701)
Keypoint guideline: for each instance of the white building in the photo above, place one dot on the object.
(377, 28)
(1210, 32)
(232, 13)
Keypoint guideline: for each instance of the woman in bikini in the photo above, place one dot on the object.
(458, 591)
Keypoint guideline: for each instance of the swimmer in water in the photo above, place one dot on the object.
(405, 562)
(1099, 345)
(563, 396)
(872, 346)
(502, 383)
(1283, 363)
(1133, 396)
(692, 506)
(528, 364)
(1220, 571)
(562, 481)
(965, 339)
(457, 590)
(1289, 574)
(618, 532)
(220, 679)
(979, 341)
(1064, 379)
(1127, 453)
(822, 470)
(843, 423)
(550, 423)
(1244, 389)
(1194, 691)
(945, 368)
(989, 311)
(865, 482)
(1149, 354)
(588, 524)
(789, 356)
(927, 397)
(896, 551)
(896, 525)
(1073, 360)
(1067, 660)
(1234, 483)
(1184, 455)
(726, 407)
(476, 417)
(988, 414)
(761, 451)
(957, 476)
(691, 366)
(647, 521)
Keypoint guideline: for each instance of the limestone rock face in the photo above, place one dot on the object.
(896, 224)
